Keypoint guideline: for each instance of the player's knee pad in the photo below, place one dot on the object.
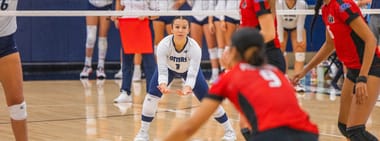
(150, 105)
(220, 52)
(300, 56)
(342, 128)
(18, 111)
(91, 36)
(213, 53)
(358, 133)
(219, 112)
(103, 45)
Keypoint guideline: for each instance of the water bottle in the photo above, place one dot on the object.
(313, 76)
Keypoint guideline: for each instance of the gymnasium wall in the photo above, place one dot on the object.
(62, 39)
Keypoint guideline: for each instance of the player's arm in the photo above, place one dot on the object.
(195, 61)
(186, 129)
(301, 23)
(162, 63)
(266, 20)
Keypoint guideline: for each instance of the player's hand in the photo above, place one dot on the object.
(116, 22)
(361, 92)
(163, 88)
(186, 90)
(301, 44)
(142, 17)
(223, 25)
(211, 27)
(297, 77)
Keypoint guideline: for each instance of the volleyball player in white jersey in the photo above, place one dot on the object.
(92, 23)
(293, 26)
(200, 25)
(225, 25)
(11, 72)
(128, 59)
(178, 56)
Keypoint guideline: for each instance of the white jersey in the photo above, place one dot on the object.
(100, 3)
(165, 5)
(228, 5)
(290, 21)
(188, 59)
(8, 24)
(136, 5)
(203, 5)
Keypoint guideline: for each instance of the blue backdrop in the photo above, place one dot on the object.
(62, 39)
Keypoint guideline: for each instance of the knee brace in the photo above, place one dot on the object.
(18, 111)
(213, 53)
(358, 133)
(300, 56)
(220, 52)
(342, 128)
(150, 105)
(91, 36)
(103, 45)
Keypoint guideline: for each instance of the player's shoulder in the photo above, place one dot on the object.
(302, 3)
(191, 42)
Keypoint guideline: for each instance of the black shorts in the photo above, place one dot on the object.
(284, 134)
(7, 45)
(352, 74)
(275, 56)
(290, 29)
(93, 7)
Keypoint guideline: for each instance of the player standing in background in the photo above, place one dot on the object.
(92, 23)
(178, 56)
(128, 59)
(200, 25)
(293, 26)
(258, 14)
(265, 98)
(225, 25)
(11, 72)
(355, 45)
(374, 21)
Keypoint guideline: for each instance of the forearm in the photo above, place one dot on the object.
(369, 52)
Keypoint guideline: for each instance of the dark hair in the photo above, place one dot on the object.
(247, 39)
(182, 18)
(318, 6)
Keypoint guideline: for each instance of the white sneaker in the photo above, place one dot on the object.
(85, 72)
(119, 74)
(123, 98)
(123, 107)
(299, 88)
(229, 135)
(100, 73)
(142, 136)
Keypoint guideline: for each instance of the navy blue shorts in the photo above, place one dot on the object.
(231, 20)
(7, 45)
(203, 22)
(290, 29)
(169, 19)
(92, 7)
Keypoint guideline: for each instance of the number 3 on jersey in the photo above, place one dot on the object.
(274, 81)
(4, 5)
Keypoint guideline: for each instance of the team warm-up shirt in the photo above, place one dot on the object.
(250, 10)
(100, 3)
(264, 95)
(337, 15)
(8, 24)
(202, 5)
(186, 60)
(228, 5)
(135, 5)
(290, 21)
(166, 5)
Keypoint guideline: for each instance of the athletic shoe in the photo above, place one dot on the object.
(299, 88)
(123, 107)
(229, 135)
(85, 72)
(100, 73)
(142, 136)
(119, 74)
(123, 98)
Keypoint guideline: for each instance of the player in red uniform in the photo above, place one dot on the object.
(265, 97)
(257, 14)
(355, 46)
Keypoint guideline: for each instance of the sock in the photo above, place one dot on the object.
(87, 61)
(215, 72)
(102, 46)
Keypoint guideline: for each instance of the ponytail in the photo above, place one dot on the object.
(255, 56)
(318, 6)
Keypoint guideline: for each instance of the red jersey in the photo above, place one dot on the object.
(250, 10)
(337, 16)
(264, 96)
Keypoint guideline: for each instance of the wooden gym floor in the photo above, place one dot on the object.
(83, 111)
